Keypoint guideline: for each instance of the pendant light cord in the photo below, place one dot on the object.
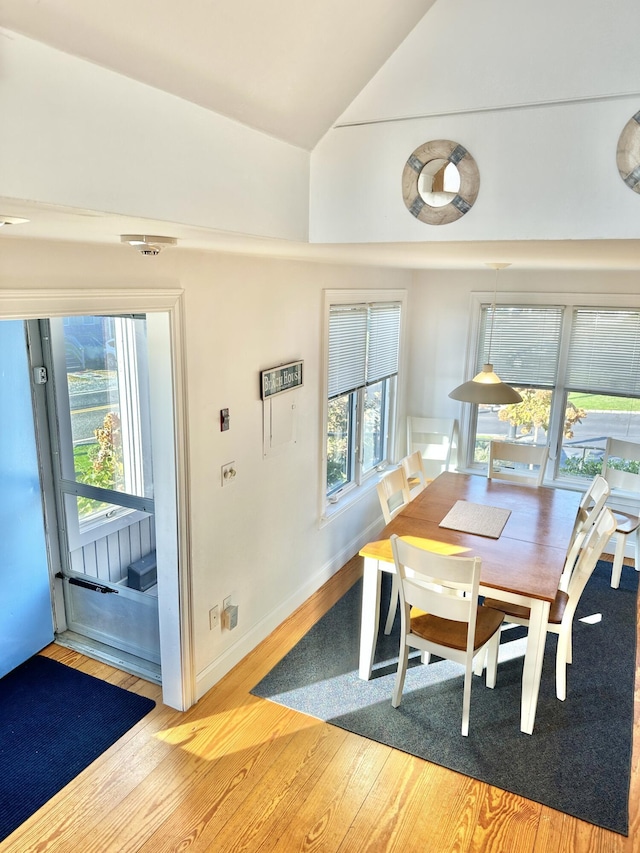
(493, 315)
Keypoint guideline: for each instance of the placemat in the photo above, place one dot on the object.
(480, 519)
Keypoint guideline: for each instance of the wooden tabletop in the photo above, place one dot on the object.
(527, 558)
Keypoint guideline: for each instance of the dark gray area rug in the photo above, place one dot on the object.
(578, 759)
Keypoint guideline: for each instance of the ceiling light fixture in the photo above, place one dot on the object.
(11, 220)
(487, 387)
(148, 245)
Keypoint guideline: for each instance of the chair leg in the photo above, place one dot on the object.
(403, 660)
(618, 557)
(564, 644)
(466, 699)
(493, 647)
(479, 662)
(393, 605)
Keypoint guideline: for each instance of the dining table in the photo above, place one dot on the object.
(521, 562)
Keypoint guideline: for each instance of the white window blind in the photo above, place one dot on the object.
(604, 353)
(363, 345)
(384, 341)
(525, 343)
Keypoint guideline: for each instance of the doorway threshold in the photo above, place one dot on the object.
(113, 657)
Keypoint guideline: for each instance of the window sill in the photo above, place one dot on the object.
(352, 497)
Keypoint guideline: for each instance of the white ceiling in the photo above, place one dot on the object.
(288, 68)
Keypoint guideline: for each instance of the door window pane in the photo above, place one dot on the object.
(107, 401)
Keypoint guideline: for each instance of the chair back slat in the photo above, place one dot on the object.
(591, 551)
(393, 493)
(415, 474)
(435, 439)
(429, 579)
(619, 452)
(525, 463)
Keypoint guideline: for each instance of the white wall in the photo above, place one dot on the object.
(77, 135)
(258, 539)
(538, 93)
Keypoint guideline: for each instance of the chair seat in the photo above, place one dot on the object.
(556, 611)
(448, 632)
(625, 522)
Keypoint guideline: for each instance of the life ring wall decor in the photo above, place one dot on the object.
(440, 151)
(628, 154)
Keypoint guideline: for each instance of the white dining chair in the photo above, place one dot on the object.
(436, 439)
(517, 463)
(451, 622)
(413, 468)
(620, 475)
(563, 608)
(594, 498)
(393, 494)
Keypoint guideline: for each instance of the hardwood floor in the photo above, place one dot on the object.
(237, 773)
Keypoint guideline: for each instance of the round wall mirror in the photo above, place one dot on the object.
(440, 182)
(628, 154)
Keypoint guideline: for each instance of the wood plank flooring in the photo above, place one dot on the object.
(238, 773)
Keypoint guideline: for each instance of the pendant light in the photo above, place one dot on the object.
(487, 387)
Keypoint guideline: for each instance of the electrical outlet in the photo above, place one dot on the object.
(214, 618)
(228, 473)
(227, 602)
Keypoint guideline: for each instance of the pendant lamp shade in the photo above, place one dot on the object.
(487, 387)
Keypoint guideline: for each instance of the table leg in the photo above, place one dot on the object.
(370, 616)
(532, 670)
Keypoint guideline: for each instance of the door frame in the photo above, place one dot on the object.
(165, 323)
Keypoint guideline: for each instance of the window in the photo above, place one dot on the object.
(602, 386)
(524, 349)
(101, 391)
(362, 368)
(578, 370)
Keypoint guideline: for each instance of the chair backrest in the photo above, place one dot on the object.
(413, 468)
(393, 493)
(618, 454)
(517, 463)
(427, 581)
(591, 551)
(436, 439)
(588, 512)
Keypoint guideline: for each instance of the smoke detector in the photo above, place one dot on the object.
(147, 245)
(11, 220)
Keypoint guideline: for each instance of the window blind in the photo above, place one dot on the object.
(384, 341)
(525, 344)
(604, 352)
(363, 345)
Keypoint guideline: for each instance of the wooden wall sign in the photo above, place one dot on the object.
(276, 380)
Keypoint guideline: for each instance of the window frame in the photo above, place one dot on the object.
(570, 302)
(362, 482)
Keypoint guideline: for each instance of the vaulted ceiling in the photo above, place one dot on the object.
(288, 68)
(285, 67)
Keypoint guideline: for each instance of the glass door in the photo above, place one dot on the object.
(99, 427)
